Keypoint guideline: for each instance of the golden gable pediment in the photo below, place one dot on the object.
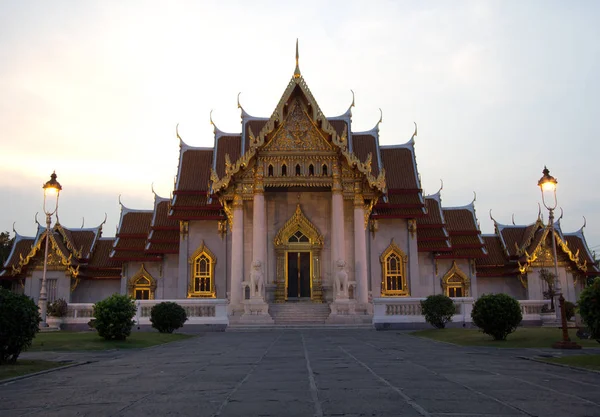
(298, 132)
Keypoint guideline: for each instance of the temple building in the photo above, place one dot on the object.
(298, 209)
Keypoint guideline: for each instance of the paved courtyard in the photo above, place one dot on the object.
(306, 373)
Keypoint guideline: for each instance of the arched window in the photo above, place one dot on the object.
(311, 170)
(270, 174)
(455, 283)
(142, 285)
(284, 170)
(298, 170)
(298, 237)
(393, 268)
(141, 290)
(324, 170)
(202, 273)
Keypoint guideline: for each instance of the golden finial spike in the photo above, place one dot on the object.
(297, 70)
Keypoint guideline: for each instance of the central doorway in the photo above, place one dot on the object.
(298, 275)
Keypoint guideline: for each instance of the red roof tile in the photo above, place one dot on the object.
(399, 167)
(362, 146)
(230, 145)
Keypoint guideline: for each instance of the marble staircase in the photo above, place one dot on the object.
(299, 313)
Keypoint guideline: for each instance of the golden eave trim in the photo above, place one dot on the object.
(66, 262)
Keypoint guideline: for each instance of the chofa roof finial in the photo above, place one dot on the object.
(414, 134)
(297, 70)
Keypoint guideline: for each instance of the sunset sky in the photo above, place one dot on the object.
(498, 89)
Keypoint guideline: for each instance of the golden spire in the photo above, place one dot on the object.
(297, 70)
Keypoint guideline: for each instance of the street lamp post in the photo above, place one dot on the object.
(51, 193)
(547, 185)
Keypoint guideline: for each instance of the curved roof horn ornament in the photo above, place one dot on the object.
(584, 224)
(15, 232)
(104, 222)
(352, 105)
(177, 134)
(36, 220)
(441, 186)
(120, 202)
(540, 213)
(414, 134)
(238, 100)
(152, 188)
(513, 219)
(561, 215)
(474, 198)
(211, 121)
(491, 217)
(82, 222)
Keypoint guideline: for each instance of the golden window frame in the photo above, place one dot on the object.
(456, 278)
(396, 277)
(134, 283)
(202, 275)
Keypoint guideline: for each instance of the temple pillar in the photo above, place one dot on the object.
(237, 252)
(256, 310)
(360, 248)
(413, 255)
(259, 223)
(337, 221)
(183, 278)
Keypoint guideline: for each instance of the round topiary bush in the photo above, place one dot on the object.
(114, 317)
(589, 308)
(58, 308)
(167, 317)
(497, 315)
(19, 322)
(438, 310)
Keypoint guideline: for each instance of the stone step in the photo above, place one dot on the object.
(312, 326)
(299, 313)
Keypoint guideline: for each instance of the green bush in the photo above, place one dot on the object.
(167, 317)
(497, 315)
(114, 317)
(589, 308)
(19, 322)
(58, 308)
(438, 310)
(569, 309)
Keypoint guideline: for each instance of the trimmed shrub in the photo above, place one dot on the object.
(497, 315)
(438, 310)
(58, 308)
(569, 309)
(19, 322)
(167, 316)
(114, 317)
(589, 308)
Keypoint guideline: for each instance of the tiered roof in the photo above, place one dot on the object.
(83, 252)
(512, 248)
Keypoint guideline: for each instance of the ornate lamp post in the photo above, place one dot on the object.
(547, 186)
(51, 193)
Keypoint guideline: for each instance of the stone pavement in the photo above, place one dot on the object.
(306, 373)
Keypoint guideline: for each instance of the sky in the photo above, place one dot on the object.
(498, 89)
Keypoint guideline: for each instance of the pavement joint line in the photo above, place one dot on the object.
(463, 385)
(555, 391)
(182, 378)
(562, 365)
(311, 379)
(406, 398)
(239, 384)
(46, 371)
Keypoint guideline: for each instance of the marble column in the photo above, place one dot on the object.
(259, 223)
(413, 257)
(337, 220)
(184, 276)
(237, 250)
(360, 247)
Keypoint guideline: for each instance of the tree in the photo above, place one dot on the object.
(6, 243)
(19, 321)
(550, 279)
(114, 317)
(438, 310)
(497, 315)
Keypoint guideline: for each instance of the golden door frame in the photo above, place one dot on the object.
(298, 223)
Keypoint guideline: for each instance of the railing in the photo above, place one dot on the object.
(408, 310)
(199, 311)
